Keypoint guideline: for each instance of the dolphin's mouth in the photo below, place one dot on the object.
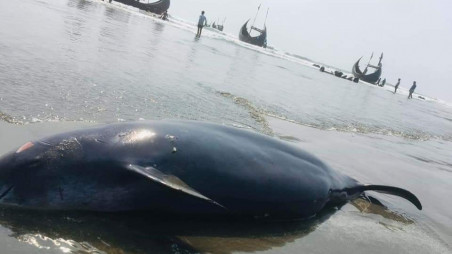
(3, 192)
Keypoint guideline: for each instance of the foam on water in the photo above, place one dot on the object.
(259, 115)
(9, 119)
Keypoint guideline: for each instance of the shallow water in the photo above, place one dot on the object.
(74, 63)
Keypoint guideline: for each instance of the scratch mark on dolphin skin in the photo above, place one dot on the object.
(45, 143)
(6, 192)
(100, 141)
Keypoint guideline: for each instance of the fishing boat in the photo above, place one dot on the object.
(158, 7)
(363, 75)
(218, 26)
(221, 27)
(259, 40)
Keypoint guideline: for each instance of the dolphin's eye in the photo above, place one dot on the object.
(24, 147)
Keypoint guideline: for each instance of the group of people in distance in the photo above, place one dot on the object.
(202, 21)
(413, 87)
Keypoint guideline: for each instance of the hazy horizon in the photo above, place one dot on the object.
(414, 35)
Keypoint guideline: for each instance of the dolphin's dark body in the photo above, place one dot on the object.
(177, 167)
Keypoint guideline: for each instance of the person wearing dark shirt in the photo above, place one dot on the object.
(396, 86)
(413, 87)
(164, 15)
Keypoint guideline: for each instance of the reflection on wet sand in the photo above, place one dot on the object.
(82, 5)
(373, 206)
(115, 15)
(145, 233)
(91, 233)
(226, 245)
(138, 233)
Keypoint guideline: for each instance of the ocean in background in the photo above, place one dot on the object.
(68, 64)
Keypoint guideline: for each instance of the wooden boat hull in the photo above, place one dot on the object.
(369, 78)
(158, 7)
(258, 40)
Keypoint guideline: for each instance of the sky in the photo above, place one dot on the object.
(415, 35)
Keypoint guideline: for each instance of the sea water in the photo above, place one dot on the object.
(69, 64)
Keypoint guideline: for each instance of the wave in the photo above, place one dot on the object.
(260, 116)
(9, 119)
(365, 129)
(4, 117)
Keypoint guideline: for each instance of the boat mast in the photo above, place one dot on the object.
(370, 59)
(368, 63)
(381, 58)
(265, 22)
(251, 28)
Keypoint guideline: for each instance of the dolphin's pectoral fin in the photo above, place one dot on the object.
(387, 190)
(170, 181)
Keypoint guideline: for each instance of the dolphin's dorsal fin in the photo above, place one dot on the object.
(169, 181)
(388, 190)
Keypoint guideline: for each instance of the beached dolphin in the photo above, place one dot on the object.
(175, 167)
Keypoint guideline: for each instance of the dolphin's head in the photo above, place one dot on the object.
(15, 169)
(75, 170)
(7, 166)
(28, 172)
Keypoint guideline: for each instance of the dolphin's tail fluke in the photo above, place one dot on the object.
(387, 190)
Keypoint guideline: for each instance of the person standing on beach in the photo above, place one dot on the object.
(396, 86)
(413, 87)
(201, 22)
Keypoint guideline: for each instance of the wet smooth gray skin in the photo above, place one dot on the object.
(174, 167)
